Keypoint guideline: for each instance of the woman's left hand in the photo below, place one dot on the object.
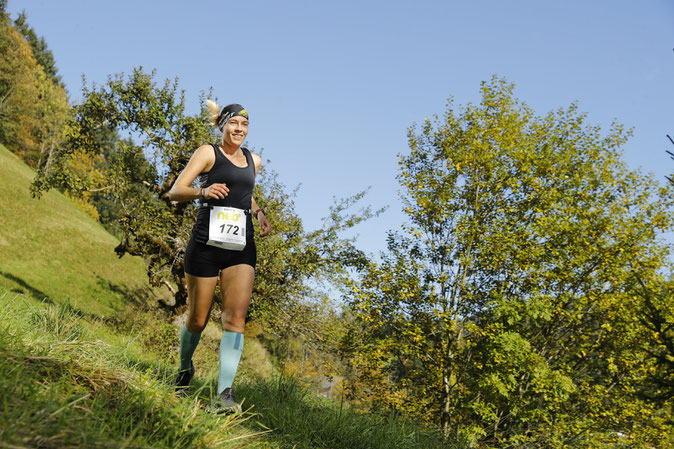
(264, 224)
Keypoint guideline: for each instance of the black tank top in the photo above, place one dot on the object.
(239, 180)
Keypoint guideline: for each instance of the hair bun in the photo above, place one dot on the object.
(213, 112)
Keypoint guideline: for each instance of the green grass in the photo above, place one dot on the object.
(62, 387)
(86, 362)
(69, 380)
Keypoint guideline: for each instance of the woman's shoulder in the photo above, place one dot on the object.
(203, 158)
(206, 147)
(205, 151)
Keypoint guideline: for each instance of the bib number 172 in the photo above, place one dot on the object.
(230, 229)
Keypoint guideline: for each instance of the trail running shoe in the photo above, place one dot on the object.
(225, 402)
(183, 379)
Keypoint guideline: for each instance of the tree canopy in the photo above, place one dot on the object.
(127, 178)
(33, 108)
(505, 311)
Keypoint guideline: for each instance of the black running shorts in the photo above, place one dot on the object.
(204, 260)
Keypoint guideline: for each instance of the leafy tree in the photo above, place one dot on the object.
(503, 311)
(33, 110)
(136, 177)
(293, 264)
(153, 226)
(17, 86)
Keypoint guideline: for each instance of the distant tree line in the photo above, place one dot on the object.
(33, 102)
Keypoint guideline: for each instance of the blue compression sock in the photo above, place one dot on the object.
(231, 346)
(188, 343)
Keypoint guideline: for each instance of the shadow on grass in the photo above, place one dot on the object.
(137, 296)
(34, 292)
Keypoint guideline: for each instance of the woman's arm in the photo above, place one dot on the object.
(201, 160)
(264, 223)
(255, 209)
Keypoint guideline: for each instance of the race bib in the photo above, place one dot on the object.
(227, 228)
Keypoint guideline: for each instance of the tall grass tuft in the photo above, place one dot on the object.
(58, 319)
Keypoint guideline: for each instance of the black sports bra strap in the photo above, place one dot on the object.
(249, 157)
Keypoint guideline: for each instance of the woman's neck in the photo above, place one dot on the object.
(229, 149)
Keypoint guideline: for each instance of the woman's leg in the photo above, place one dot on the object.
(200, 292)
(236, 285)
(199, 299)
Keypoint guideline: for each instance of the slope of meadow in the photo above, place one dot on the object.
(86, 362)
(51, 249)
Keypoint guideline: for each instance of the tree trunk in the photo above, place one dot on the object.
(447, 382)
(446, 402)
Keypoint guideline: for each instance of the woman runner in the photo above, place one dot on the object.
(219, 247)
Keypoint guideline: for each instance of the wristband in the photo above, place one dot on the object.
(258, 210)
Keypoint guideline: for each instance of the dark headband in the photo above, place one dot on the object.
(229, 111)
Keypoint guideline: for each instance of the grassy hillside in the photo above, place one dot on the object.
(51, 249)
(84, 362)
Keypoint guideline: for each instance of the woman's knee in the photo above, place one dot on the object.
(196, 325)
(234, 319)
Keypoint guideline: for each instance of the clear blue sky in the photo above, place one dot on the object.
(333, 86)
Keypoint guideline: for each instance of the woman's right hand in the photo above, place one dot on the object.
(217, 191)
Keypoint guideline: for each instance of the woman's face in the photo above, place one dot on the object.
(235, 131)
